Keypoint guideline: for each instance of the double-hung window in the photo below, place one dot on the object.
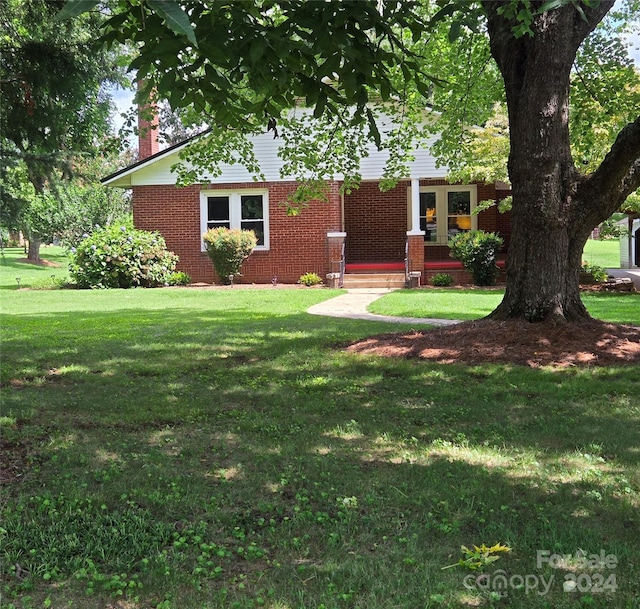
(246, 209)
(446, 211)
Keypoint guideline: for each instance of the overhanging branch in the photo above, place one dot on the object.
(588, 18)
(619, 173)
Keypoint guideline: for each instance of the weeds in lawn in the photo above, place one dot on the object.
(479, 557)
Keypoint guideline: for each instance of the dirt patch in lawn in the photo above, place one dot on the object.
(13, 462)
(40, 262)
(590, 343)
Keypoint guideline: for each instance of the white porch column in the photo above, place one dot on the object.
(415, 208)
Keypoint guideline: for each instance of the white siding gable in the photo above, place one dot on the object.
(158, 169)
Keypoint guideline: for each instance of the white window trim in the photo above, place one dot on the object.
(442, 212)
(234, 211)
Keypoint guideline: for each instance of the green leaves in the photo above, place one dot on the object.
(454, 31)
(73, 8)
(605, 97)
(551, 5)
(176, 19)
(265, 56)
(122, 257)
(477, 250)
(228, 249)
(55, 113)
(478, 557)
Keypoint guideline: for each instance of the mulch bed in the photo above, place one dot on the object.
(560, 345)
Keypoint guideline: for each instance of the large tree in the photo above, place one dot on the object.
(555, 205)
(54, 106)
(242, 64)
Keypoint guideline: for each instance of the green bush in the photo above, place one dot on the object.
(599, 273)
(310, 279)
(477, 251)
(51, 283)
(121, 257)
(228, 249)
(179, 278)
(442, 280)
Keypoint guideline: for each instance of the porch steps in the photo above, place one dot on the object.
(373, 280)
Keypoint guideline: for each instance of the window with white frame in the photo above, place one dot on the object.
(446, 211)
(246, 209)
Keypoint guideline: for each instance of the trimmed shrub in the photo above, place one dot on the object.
(121, 257)
(477, 251)
(310, 279)
(179, 278)
(228, 248)
(442, 280)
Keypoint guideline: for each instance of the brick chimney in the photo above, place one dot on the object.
(148, 128)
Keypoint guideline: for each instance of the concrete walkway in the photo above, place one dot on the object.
(353, 305)
(354, 302)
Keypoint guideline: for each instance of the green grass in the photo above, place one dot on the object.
(603, 253)
(476, 303)
(16, 273)
(189, 448)
(441, 303)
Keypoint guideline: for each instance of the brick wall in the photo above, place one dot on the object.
(415, 253)
(148, 129)
(460, 276)
(503, 221)
(297, 244)
(376, 223)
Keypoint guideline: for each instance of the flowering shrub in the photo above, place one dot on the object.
(228, 249)
(477, 251)
(121, 257)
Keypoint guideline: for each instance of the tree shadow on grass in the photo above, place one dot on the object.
(227, 358)
(250, 423)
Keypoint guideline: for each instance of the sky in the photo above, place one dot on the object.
(123, 100)
(634, 48)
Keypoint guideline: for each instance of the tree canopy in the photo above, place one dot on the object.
(55, 107)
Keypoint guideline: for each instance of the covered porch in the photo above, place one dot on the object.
(400, 236)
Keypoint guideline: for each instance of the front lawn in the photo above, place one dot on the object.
(474, 303)
(604, 253)
(197, 448)
(16, 272)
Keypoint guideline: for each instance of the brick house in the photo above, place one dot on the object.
(395, 234)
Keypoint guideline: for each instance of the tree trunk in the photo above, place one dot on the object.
(33, 253)
(543, 268)
(39, 181)
(552, 216)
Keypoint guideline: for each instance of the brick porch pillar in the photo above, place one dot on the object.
(416, 252)
(335, 249)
